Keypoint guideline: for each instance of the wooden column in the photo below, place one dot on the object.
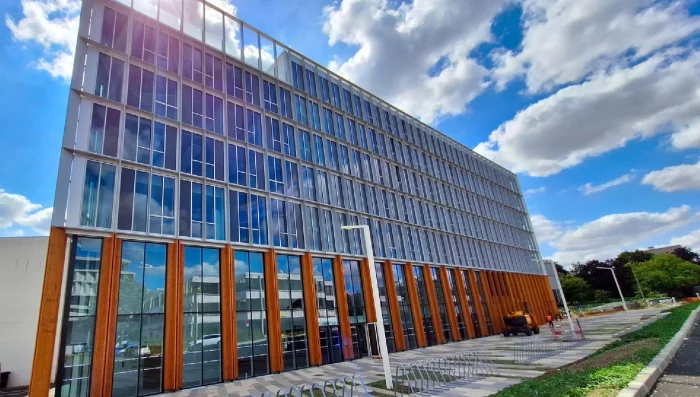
(432, 302)
(477, 303)
(517, 283)
(107, 308)
(367, 290)
(494, 313)
(228, 315)
(312, 326)
(415, 305)
(272, 301)
(506, 298)
(510, 291)
(541, 312)
(343, 311)
(495, 293)
(464, 303)
(449, 303)
(48, 314)
(174, 307)
(394, 310)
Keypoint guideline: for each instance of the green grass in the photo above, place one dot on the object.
(606, 380)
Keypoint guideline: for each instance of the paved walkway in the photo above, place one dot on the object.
(599, 330)
(682, 376)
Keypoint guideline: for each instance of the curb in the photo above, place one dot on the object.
(641, 325)
(647, 377)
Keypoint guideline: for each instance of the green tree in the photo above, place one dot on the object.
(575, 288)
(668, 274)
(601, 296)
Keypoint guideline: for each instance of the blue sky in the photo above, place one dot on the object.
(595, 106)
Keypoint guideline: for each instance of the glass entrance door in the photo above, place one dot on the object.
(331, 350)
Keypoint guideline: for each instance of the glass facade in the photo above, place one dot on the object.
(138, 352)
(425, 311)
(292, 312)
(251, 315)
(485, 308)
(329, 331)
(441, 303)
(470, 302)
(461, 325)
(201, 363)
(386, 309)
(409, 331)
(202, 120)
(79, 318)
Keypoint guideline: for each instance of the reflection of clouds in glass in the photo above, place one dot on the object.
(210, 269)
(251, 55)
(267, 57)
(240, 267)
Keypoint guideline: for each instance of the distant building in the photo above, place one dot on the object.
(663, 250)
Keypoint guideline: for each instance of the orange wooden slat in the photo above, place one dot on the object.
(48, 314)
(228, 314)
(111, 295)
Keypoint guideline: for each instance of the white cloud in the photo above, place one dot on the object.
(656, 96)
(530, 192)
(53, 24)
(399, 46)
(546, 230)
(566, 40)
(18, 211)
(609, 235)
(590, 188)
(676, 178)
(690, 240)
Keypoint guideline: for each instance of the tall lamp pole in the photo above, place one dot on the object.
(377, 305)
(637, 280)
(616, 283)
(563, 298)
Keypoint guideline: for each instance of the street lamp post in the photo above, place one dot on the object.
(563, 297)
(637, 280)
(377, 305)
(616, 283)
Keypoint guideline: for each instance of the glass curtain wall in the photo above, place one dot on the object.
(138, 352)
(292, 319)
(329, 332)
(424, 306)
(251, 320)
(441, 303)
(484, 306)
(356, 307)
(75, 364)
(386, 310)
(461, 325)
(409, 331)
(201, 361)
(470, 301)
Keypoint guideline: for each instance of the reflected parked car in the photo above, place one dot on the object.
(131, 349)
(208, 342)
